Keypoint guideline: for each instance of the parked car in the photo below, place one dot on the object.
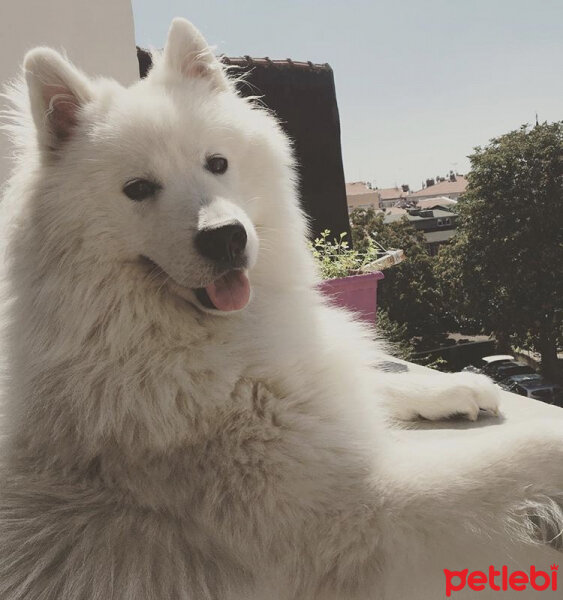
(488, 362)
(539, 390)
(495, 359)
(508, 382)
(510, 368)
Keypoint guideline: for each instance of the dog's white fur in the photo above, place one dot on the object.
(153, 449)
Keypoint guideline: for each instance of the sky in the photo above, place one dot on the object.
(419, 83)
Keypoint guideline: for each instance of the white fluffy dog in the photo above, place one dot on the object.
(184, 416)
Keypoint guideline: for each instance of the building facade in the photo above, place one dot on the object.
(438, 225)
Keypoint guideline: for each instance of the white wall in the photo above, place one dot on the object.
(97, 35)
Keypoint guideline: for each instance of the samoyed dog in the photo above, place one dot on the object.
(184, 418)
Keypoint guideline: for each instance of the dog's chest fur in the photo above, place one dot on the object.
(237, 502)
(180, 450)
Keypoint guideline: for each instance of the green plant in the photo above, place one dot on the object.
(335, 258)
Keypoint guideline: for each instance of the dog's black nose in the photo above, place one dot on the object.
(224, 244)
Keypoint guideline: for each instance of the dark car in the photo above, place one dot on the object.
(508, 382)
(486, 363)
(500, 372)
(539, 390)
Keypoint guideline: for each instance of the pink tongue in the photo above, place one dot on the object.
(230, 292)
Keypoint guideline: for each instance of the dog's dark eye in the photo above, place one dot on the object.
(216, 164)
(140, 189)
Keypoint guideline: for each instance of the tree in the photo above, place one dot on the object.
(410, 293)
(503, 272)
(395, 335)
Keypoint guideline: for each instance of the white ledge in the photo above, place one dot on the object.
(513, 409)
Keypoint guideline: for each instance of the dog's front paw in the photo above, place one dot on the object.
(460, 394)
(441, 396)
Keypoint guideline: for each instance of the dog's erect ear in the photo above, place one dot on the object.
(188, 54)
(57, 91)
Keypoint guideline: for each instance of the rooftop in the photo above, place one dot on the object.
(438, 201)
(443, 188)
(396, 214)
(358, 187)
(392, 193)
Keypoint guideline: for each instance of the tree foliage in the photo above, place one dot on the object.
(503, 273)
(395, 335)
(409, 294)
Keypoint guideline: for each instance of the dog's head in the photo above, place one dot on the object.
(177, 173)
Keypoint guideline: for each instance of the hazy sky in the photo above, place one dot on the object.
(419, 83)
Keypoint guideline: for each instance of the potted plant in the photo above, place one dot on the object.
(349, 277)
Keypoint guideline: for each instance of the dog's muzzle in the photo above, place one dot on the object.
(225, 245)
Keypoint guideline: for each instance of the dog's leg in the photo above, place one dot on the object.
(466, 500)
(435, 396)
(505, 481)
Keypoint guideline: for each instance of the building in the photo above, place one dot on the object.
(390, 196)
(438, 225)
(359, 195)
(441, 194)
(438, 202)
(98, 36)
(452, 188)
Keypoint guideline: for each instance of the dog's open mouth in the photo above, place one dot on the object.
(229, 292)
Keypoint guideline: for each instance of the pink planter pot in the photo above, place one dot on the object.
(357, 293)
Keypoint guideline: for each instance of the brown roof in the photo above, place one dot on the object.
(359, 195)
(437, 201)
(357, 187)
(392, 193)
(443, 188)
